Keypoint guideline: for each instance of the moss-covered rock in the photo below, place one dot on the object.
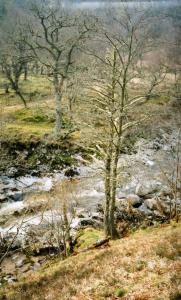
(87, 237)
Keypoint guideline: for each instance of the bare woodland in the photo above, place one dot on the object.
(114, 61)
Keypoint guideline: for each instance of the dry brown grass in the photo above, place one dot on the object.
(130, 268)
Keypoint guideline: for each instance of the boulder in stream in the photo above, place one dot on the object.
(148, 187)
(134, 200)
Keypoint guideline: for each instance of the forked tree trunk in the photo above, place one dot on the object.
(14, 83)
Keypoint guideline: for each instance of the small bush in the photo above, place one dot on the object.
(120, 292)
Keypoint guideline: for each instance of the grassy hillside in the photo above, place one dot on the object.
(144, 266)
(84, 126)
(38, 120)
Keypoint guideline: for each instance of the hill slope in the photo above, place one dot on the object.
(144, 266)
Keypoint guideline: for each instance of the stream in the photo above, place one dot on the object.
(31, 204)
(30, 200)
(31, 207)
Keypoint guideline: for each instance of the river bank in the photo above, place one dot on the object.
(31, 206)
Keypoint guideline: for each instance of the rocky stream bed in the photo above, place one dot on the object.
(29, 214)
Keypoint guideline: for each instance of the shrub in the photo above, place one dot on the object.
(120, 292)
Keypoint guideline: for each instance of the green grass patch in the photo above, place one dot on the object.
(27, 130)
(120, 292)
(35, 115)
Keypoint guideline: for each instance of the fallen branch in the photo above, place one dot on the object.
(97, 244)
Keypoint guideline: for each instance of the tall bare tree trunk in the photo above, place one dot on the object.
(113, 231)
(58, 99)
(111, 164)
(108, 187)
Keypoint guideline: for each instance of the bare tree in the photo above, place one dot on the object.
(55, 38)
(13, 60)
(156, 76)
(13, 69)
(113, 97)
(63, 213)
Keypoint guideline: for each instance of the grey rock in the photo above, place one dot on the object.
(82, 213)
(87, 222)
(157, 213)
(144, 209)
(122, 204)
(19, 259)
(90, 222)
(36, 266)
(17, 196)
(3, 198)
(43, 168)
(129, 188)
(134, 200)
(12, 171)
(121, 195)
(97, 216)
(4, 179)
(10, 278)
(148, 187)
(151, 204)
